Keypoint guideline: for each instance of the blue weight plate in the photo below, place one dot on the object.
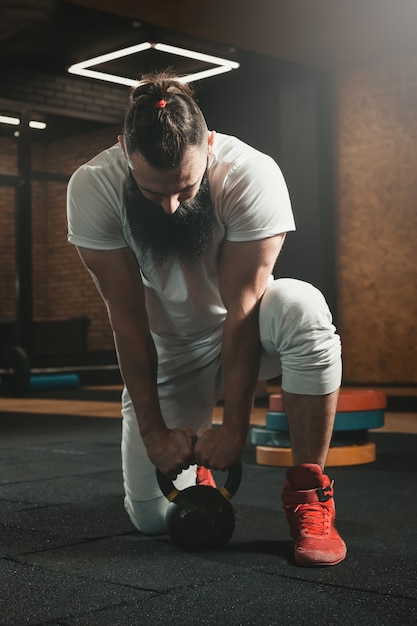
(276, 421)
(345, 421)
(46, 382)
(359, 420)
(265, 437)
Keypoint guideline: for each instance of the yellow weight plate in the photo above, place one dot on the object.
(342, 455)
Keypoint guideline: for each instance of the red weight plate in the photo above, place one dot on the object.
(349, 400)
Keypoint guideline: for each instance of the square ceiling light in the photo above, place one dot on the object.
(208, 65)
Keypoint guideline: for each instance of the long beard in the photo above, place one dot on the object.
(185, 235)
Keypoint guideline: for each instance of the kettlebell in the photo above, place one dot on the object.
(200, 516)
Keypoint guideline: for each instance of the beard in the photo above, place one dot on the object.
(185, 235)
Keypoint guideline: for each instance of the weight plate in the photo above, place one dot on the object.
(281, 439)
(277, 421)
(16, 371)
(268, 437)
(46, 382)
(349, 400)
(344, 455)
(356, 420)
(348, 420)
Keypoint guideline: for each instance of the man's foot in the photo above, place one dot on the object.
(309, 507)
(205, 477)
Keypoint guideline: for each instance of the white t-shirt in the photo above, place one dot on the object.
(250, 201)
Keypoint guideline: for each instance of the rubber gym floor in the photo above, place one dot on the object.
(69, 555)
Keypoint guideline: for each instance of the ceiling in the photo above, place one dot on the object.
(324, 33)
(50, 35)
(329, 34)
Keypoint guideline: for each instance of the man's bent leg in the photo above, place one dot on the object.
(186, 400)
(311, 425)
(144, 502)
(296, 322)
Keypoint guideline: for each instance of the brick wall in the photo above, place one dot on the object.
(62, 288)
(376, 152)
(7, 247)
(377, 235)
(8, 165)
(68, 94)
(71, 287)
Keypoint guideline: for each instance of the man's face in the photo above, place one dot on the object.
(170, 188)
(169, 211)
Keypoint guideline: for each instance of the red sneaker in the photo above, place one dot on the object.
(309, 507)
(205, 477)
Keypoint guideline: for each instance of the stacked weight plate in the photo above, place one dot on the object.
(357, 412)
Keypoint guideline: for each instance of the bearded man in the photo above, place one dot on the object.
(181, 228)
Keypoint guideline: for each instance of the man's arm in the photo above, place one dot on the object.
(245, 268)
(117, 277)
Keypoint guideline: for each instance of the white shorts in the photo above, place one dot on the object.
(298, 341)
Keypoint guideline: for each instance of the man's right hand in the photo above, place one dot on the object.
(171, 450)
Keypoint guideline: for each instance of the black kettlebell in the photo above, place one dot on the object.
(201, 517)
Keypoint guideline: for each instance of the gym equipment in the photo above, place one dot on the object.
(281, 439)
(201, 517)
(16, 374)
(349, 400)
(42, 382)
(345, 421)
(357, 411)
(15, 371)
(337, 456)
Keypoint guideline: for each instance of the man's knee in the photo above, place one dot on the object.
(291, 309)
(288, 296)
(296, 324)
(148, 516)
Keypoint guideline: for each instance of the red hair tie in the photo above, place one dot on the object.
(160, 104)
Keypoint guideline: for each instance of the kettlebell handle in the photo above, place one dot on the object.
(229, 489)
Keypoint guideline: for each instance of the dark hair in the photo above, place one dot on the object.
(161, 134)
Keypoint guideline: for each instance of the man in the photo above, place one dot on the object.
(180, 229)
